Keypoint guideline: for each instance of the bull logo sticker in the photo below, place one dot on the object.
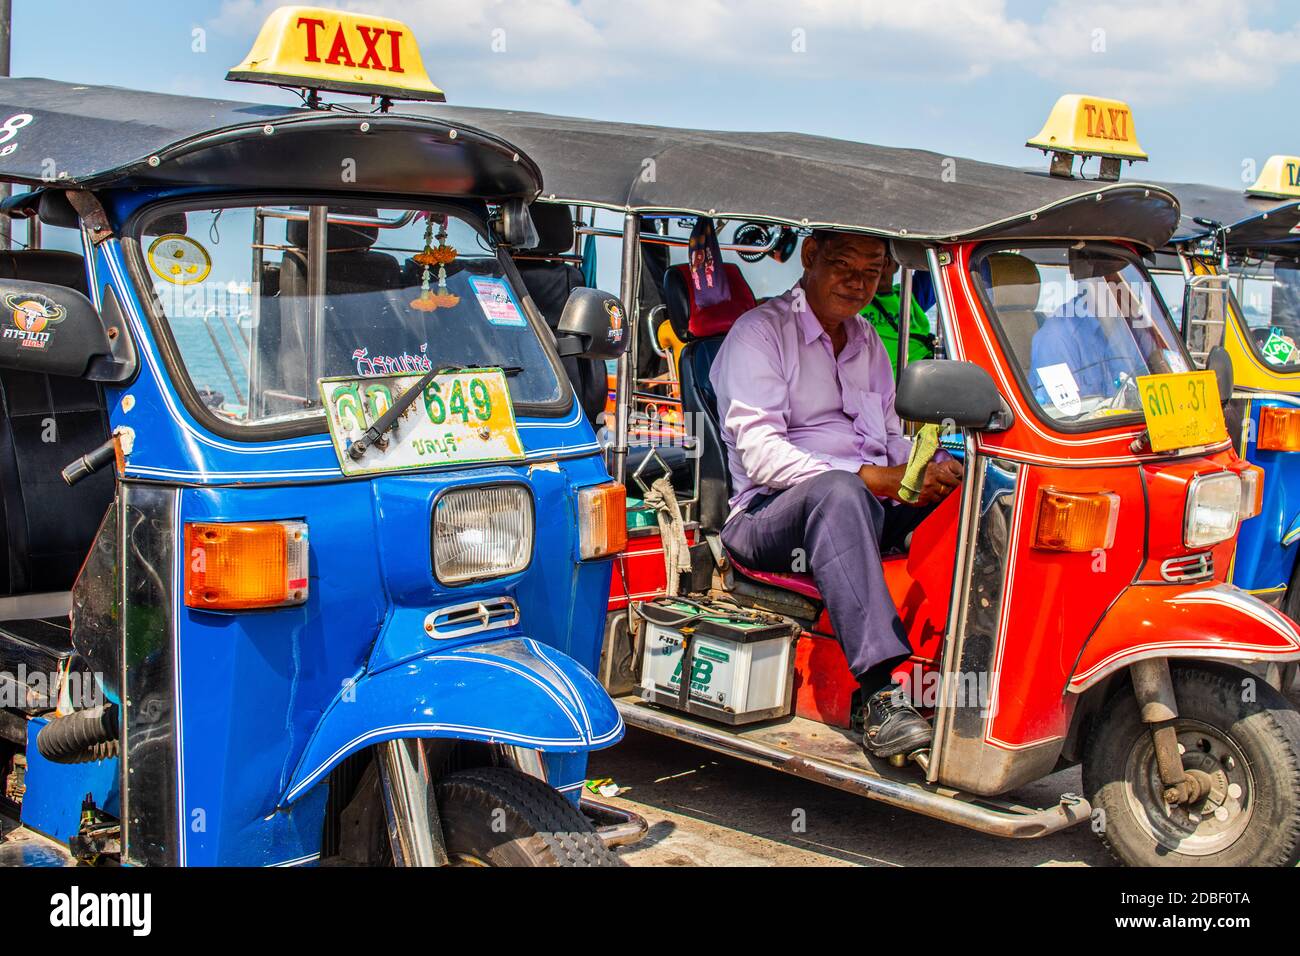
(32, 315)
(615, 320)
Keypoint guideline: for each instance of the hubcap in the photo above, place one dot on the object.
(1218, 818)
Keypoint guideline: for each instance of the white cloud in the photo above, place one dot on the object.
(1152, 51)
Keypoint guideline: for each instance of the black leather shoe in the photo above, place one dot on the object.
(893, 725)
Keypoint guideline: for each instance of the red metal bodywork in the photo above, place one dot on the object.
(1066, 619)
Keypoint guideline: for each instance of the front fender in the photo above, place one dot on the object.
(1218, 622)
(514, 691)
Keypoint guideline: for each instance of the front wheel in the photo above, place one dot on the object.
(497, 816)
(1235, 729)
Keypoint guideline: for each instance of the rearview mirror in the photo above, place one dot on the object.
(945, 391)
(591, 325)
(49, 328)
(1219, 362)
(515, 226)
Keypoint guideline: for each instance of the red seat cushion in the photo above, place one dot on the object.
(787, 581)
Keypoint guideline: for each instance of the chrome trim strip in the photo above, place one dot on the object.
(479, 616)
(1190, 567)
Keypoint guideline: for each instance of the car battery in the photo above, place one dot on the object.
(740, 661)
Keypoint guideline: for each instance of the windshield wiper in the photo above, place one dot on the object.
(375, 433)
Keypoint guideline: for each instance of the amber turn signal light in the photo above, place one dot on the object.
(1252, 491)
(237, 567)
(602, 520)
(1279, 429)
(1075, 521)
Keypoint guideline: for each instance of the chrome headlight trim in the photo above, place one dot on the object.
(517, 558)
(1205, 485)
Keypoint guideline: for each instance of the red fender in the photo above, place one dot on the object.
(1213, 622)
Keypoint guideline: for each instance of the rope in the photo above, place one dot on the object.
(677, 553)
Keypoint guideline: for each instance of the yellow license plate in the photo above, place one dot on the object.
(463, 418)
(1182, 410)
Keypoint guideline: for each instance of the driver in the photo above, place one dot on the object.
(816, 452)
(1090, 335)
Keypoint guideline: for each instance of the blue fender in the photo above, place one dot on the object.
(514, 691)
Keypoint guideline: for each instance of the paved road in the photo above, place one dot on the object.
(706, 809)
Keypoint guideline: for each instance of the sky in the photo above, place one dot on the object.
(1207, 79)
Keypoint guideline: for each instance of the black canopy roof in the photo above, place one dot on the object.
(98, 136)
(1252, 226)
(816, 181)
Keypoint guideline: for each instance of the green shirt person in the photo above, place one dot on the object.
(882, 313)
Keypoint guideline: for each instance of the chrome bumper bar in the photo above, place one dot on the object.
(614, 826)
(976, 813)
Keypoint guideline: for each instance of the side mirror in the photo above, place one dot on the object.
(1219, 362)
(939, 391)
(592, 325)
(515, 227)
(51, 329)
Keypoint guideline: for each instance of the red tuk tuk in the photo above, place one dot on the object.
(1077, 581)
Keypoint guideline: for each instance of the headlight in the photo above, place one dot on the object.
(482, 533)
(1213, 508)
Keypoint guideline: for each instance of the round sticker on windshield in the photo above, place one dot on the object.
(179, 259)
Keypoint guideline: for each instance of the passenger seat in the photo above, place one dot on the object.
(47, 527)
(549, 280)
(353, 270)
(1014, 286)
(703, 329)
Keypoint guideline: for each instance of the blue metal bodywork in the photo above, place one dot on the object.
(1267, 545)
(267, 702)
(52, 804)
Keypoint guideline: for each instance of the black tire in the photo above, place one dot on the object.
(1252, 745)
(496, 816)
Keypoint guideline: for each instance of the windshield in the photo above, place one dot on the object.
(1269, 297)
(1082, 324)
(261, 311)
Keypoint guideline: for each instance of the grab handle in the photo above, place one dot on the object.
(90, 462)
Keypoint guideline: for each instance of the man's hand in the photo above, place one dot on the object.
(941, 477)
(882, 480)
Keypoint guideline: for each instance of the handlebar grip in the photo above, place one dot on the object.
(90, 462)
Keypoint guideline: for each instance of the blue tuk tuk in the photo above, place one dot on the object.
(325, 575)
(1231, 275)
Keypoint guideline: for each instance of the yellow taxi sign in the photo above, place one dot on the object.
(319, 49)
(1182, 410)
(1279, 179)
(1089, 126)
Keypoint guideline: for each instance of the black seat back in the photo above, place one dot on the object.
(699, 401)
(549, 282)
(46, 421)
(352, 273)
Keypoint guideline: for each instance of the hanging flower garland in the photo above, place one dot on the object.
(441, 256)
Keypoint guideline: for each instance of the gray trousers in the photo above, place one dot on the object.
(834, 527)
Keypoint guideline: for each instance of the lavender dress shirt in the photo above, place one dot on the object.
(792, 409)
